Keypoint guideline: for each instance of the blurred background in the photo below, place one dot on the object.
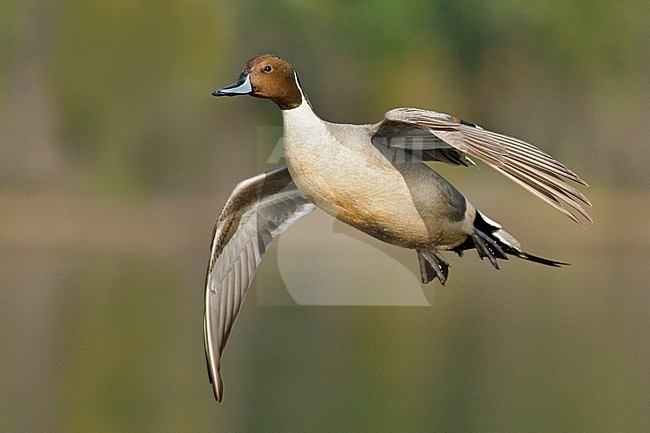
(115, 161)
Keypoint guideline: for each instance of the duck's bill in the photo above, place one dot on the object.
(242, 86)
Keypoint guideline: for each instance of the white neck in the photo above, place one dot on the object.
(301, 123)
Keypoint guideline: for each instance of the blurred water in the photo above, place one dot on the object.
(110, 339)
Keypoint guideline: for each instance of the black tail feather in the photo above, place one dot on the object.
(491, 241)
(536, 259)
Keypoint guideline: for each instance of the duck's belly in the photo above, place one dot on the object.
(386, 201)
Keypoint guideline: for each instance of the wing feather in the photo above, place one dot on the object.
(520, 161)
(258, 209)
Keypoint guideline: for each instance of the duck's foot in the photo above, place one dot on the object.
(432, 265)
(487, 247)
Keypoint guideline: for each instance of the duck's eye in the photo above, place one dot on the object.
(268, 68)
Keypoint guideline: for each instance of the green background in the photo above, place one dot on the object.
(115, 161)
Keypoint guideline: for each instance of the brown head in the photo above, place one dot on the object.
(269, 77)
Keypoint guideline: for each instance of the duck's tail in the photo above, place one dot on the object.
(493, 242)
(490, 241)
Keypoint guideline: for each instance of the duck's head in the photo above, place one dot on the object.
(267, 76)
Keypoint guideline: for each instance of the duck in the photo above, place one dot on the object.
(375, 178)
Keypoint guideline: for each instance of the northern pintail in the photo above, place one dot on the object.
(374, 178)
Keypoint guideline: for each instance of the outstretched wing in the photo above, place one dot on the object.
(258, 209)
(432, 136)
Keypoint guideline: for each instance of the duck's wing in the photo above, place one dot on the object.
(258, 209)
(431, 136)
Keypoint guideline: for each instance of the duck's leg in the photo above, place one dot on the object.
(487, 247)
(432, 265)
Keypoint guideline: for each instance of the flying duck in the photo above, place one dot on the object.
(375, 178)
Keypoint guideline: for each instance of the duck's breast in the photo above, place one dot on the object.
(401, 202)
